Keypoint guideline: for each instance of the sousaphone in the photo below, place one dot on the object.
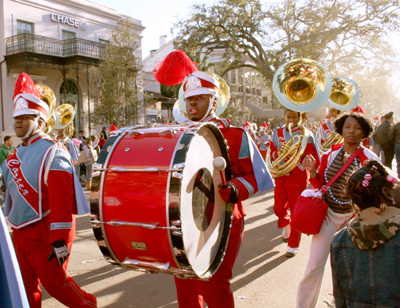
(65, 115)
(49, 98)
(300, 85)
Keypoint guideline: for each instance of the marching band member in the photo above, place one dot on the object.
(327, 127)
(43, 194)
(249, 176)
(263, 140)
(68, 143)
(289, 186)
(248, 127)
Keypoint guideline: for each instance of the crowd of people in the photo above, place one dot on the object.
(361, 225)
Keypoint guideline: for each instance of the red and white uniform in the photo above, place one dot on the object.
(41, 213)
(245, 165)
(289, 187)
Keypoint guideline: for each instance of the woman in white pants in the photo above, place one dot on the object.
(354, 128)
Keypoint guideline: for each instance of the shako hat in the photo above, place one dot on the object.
(247, 125)
(263, 126)
(358, 109)
(177, 68)
(27, 98)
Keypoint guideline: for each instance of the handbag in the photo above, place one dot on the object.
(310, 209)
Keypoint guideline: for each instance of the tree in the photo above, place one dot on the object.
(343, 35)
(116, 77)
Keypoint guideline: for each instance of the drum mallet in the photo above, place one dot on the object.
(219, 164)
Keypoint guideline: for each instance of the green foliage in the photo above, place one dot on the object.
(116, 77)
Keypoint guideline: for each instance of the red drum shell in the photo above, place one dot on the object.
(129, 195)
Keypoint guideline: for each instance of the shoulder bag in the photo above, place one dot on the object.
(310, 209)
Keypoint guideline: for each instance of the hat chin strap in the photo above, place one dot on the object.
(33, 125)
(209, 107)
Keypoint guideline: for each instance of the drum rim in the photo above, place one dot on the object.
(228, 216)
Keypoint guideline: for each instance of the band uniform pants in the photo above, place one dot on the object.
(288, 188)
(216, 292)
(32, 253)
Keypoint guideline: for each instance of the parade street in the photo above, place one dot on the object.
(262, 277)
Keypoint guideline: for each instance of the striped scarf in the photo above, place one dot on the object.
(339, 187)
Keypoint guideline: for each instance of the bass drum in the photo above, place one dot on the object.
(155, 203)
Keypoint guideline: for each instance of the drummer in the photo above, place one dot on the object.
(250, 174)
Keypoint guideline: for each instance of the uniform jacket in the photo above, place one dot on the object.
(365, 261)
(249, 172)
(264, 141)
(395, 133)
(383, 134)
(28, 197)
(72, 149)
(328, 156)
(325, 130)
(281, 135)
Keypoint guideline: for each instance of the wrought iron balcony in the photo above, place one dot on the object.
(27, 42)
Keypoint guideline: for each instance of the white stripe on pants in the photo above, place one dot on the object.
(309, 288)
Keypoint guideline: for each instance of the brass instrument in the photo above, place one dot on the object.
(290, 154)
(302, 85)
(65, 115)
(345, 94)
(49, 98)
(334, 138)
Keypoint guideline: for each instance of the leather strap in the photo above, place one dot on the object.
(348, 162)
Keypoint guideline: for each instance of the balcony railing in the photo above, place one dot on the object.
(27, 42)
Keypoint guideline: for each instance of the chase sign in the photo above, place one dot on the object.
(73, 22)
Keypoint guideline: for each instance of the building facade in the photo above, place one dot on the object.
(56, 42)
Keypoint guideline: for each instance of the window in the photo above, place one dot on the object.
(66, 35)
(24, 27)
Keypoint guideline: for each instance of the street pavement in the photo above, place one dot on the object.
(262, 277)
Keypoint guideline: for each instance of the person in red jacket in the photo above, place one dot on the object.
(289, 186)
(43, 194)
(202, 100)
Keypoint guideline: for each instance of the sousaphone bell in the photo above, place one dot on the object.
(302, 85)
(345, 94)
(49, 98)
(65, 115)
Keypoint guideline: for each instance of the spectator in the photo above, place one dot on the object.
(103, 131)
(6, 148)
(102, 140)
(395, 138)
(365, 256)
(91, 159)
(383, 138)
(377, 146)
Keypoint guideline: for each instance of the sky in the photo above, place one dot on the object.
(158, 16)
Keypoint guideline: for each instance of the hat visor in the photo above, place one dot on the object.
(20, 112)
(198, 91)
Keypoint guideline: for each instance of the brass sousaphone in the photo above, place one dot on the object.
(300, 85)
(345, 95)
(49, 98)
(65, 115)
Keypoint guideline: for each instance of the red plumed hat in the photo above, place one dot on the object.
(246, 125)
(359, 109)
(27, 98)
(174, 68)
(263, 126)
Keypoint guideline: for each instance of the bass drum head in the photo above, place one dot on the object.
(202, 209)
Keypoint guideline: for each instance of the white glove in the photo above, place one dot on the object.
(60, 251)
